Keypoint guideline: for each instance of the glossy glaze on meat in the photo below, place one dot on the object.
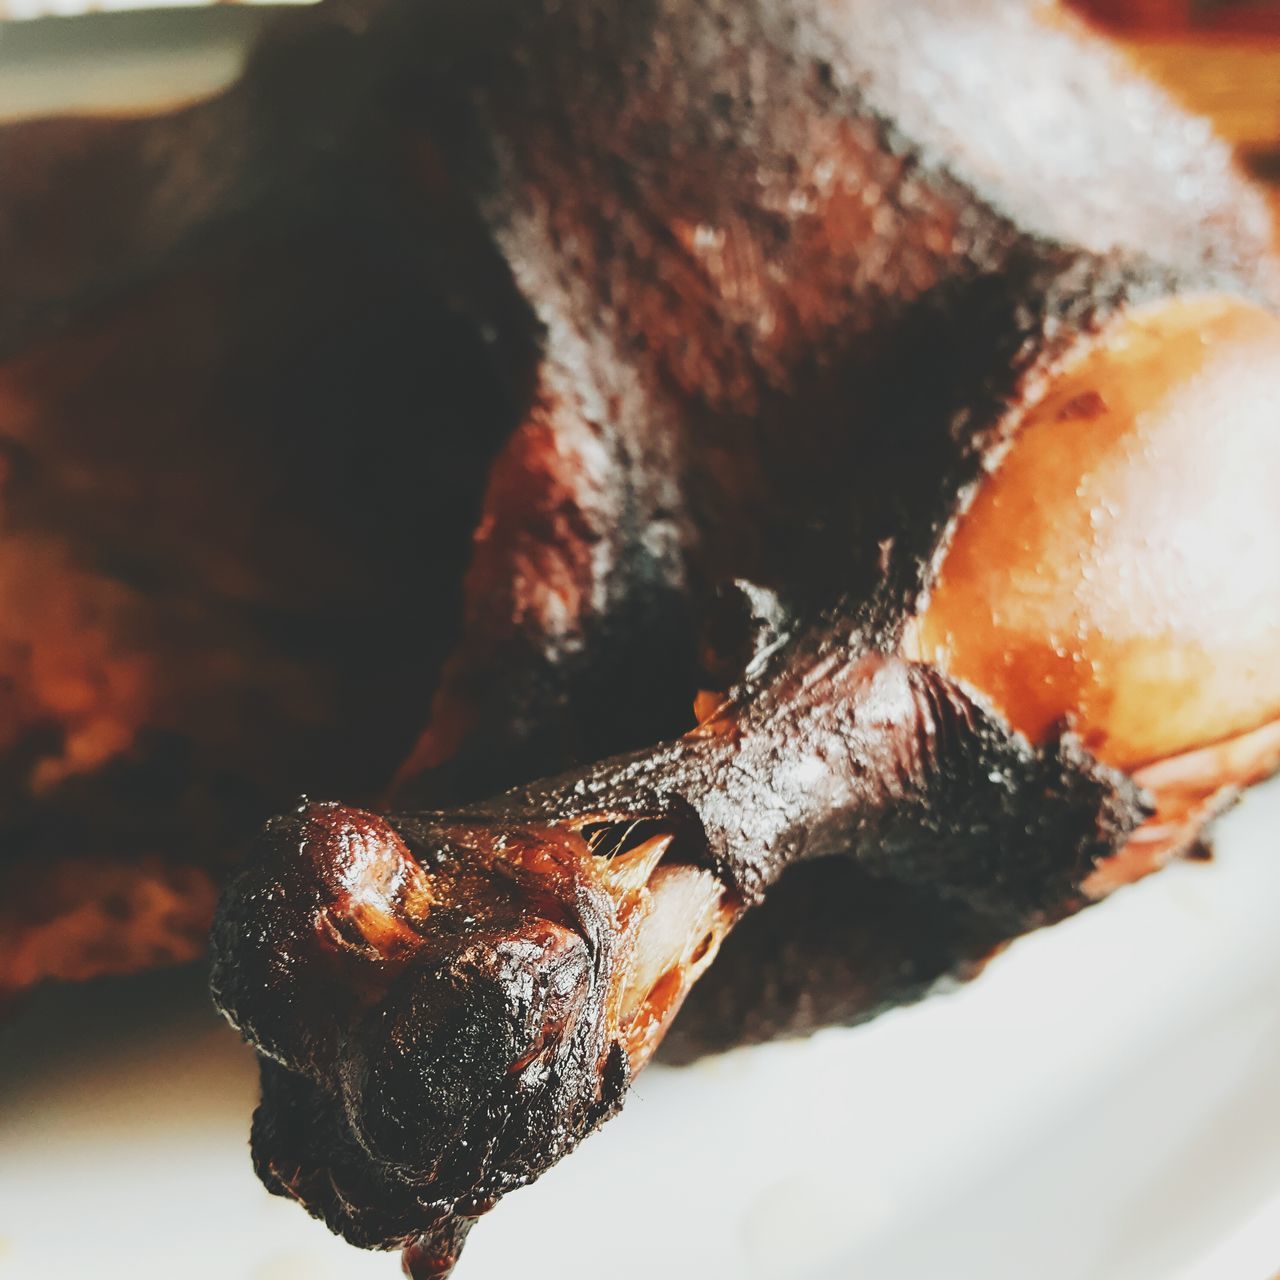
(793, 291)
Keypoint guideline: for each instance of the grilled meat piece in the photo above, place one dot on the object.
(816, 325)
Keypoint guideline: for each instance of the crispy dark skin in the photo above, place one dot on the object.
(746, 293)
(796, 286)
(385, 227)
(450, 992)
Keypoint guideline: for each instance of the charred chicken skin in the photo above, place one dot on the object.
(902, 393)
(894, 384)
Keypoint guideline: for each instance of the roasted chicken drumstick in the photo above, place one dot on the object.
(905, 392)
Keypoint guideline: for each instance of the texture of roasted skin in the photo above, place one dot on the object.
(455, 1000)
(305, 266)
(800, 290)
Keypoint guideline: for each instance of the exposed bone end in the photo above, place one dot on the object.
(1119, 568)
(670, 921)
(628, 873)
(684, 918)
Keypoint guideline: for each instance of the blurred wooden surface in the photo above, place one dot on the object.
(1233, 80)
(1176, 15)
(1220, 57)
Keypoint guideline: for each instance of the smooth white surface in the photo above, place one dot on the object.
(1103, 1103)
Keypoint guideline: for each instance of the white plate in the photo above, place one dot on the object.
(1104, 1103)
